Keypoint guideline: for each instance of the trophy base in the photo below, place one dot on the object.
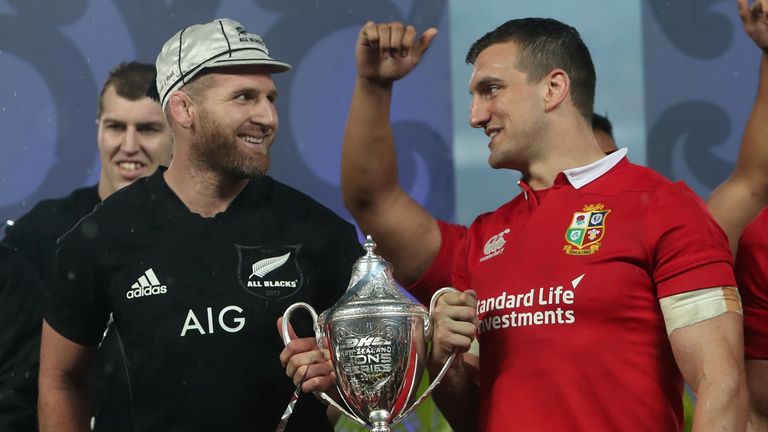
(379, 421)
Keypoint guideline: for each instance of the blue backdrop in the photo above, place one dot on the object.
(54, 56)
(677, 78)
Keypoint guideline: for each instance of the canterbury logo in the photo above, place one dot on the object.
(494, 246)
(147, 285)
(495, 243)
(261, 268)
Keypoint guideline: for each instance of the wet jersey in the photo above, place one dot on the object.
(752, 275)
(195, 300)
(569, 280)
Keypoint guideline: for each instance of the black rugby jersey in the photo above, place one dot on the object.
(196, 300)
(20, 319)
(35, 233)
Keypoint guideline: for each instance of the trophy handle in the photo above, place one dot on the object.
(318, 337)
(287, 320)
(446, 365)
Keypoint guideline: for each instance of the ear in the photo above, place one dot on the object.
(558, 87)
(181, 109)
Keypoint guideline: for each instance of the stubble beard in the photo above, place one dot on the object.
(216, 151)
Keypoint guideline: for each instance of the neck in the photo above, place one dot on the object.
(570, 146)
(204, 192)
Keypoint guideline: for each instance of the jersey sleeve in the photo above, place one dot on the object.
(74, 306)
(688, 249)
(438, 275)
(752, 276)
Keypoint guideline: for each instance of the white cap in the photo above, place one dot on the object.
(219, 43)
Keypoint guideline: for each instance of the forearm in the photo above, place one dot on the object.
(457, 396)
(747, 188)
(721, 404)
(62, 406)
(753, 154)
(368, 164)
(406, 234)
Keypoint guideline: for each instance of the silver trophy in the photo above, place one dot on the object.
(377, 338)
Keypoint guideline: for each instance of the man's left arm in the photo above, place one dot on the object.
(710, 355)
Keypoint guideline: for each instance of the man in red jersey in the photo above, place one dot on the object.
(752, 275)
(733, 205)
(594, 292)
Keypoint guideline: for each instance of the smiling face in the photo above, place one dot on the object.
(508, 108)
(133, 140)
(237, 121)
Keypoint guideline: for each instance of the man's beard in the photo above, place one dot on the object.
(214, 150)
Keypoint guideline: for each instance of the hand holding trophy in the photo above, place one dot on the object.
(377, 338)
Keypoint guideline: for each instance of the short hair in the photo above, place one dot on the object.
(602, 123)
(130, 80)
(547, 44)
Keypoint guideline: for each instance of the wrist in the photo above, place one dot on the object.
(375, 83)
(456, 368)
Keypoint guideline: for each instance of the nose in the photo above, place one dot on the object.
(478, 114)
(131, 143)
(264, 114)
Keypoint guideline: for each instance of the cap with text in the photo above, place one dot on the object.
(219, 43)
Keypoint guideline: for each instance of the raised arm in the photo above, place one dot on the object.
(741, 197)
(63, 381)
(406, 234)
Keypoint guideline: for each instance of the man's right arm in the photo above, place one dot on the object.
(406, 234)
(63, 380)
(741, 197)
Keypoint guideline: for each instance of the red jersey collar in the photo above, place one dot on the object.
(581, 176)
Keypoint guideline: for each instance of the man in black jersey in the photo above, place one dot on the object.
(21, 311)
(133, 139)
(197, 261)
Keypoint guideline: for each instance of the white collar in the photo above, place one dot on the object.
(583, 175)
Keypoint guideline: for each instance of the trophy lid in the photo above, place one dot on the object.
(372, 290)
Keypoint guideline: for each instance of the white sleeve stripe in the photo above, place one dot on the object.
(681, 310)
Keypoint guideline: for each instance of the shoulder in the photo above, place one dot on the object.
(75, 205)
(291, 201)
(124, 211)
(493, 219)
(14, 269)
(627, 176)
(51, 218)
(647, 190)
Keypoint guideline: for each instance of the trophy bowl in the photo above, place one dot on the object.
(377, 338)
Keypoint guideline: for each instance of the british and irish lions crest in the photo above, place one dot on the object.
(586, 230)
(377, 338)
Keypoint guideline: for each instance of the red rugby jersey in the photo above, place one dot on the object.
(752, 275)
(568, 280)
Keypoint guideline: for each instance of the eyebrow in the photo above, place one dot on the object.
(143, 123)
(485, 82)
(272, 92)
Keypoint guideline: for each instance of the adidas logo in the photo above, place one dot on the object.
(262, 267)
(147, 285)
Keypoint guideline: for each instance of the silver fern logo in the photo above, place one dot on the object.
(270, 272)
(262, 267)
